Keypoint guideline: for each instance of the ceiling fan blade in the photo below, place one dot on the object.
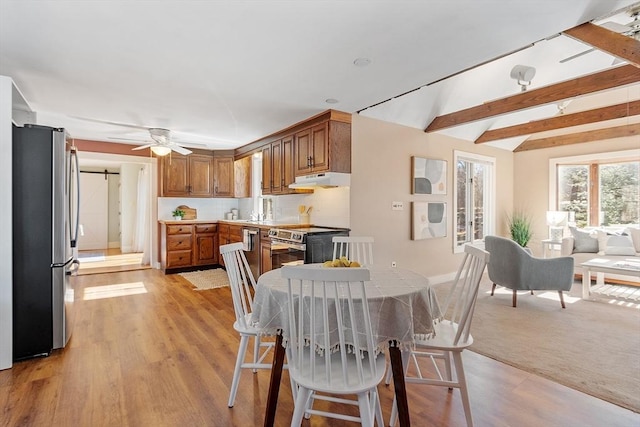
(142, 147)
(87, 119)
(577, 55)
(189, 144)
(127, 139)
(179, 149)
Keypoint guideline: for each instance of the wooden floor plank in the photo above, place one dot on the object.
(165, 358)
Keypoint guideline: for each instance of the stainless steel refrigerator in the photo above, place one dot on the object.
(45, 229)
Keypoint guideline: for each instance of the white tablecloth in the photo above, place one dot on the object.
(401, 302)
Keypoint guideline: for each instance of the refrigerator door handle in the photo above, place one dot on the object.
(73, 269)
(62, 264)
(74, 197)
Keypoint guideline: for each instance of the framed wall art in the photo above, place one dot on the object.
(428, 176)
(428, 220)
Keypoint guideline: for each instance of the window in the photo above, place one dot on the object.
(473, 198)
(600, 192)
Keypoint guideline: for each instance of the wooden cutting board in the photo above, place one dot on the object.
(189, 213)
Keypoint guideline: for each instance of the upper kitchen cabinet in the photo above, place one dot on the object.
(186, 176)
(278, 166)
(325, 147)
(223, 176)
(231, 178)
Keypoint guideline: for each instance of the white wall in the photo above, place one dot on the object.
(381, 174)
(6, 245)
(114, 209)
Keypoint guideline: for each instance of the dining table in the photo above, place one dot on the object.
(402, 305)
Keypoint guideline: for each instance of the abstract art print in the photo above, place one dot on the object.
(429, 176)
(429, 220)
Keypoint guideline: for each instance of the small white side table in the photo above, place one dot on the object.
(549, 244)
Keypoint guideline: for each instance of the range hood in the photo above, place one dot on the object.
(326, 180)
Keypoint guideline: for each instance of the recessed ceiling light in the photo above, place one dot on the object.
(362, 62)
(331, 101)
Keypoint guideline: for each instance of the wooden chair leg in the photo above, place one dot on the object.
(561, 299)
(515, 297)
(493, 288)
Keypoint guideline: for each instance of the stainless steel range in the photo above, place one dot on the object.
(290, 246)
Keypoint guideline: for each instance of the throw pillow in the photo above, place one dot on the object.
(614, 244)
(635, 236)
(583, 242)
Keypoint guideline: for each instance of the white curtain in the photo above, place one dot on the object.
(141, 225)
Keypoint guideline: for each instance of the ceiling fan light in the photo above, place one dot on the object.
(159, 150)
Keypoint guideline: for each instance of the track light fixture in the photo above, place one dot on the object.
(523, 74)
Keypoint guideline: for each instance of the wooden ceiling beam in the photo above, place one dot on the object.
(580, 137)
(624, 47)
(563, 121)
(609, 79)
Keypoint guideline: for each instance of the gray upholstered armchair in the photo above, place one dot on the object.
(515, 268)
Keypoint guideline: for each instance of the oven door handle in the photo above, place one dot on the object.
(296, 246)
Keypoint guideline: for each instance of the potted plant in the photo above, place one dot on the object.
(177, 214)
(520, 228)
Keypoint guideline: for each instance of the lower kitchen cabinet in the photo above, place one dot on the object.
(265, 251)
(206, 244)
(188, 245)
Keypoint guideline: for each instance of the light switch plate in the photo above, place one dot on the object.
(397, 206)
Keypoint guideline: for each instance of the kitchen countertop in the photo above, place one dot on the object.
(259, 224)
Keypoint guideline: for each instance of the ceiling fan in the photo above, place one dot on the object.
(163, 144)
(631, 29)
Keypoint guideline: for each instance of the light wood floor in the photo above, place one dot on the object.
(109, 261)
(148, 350)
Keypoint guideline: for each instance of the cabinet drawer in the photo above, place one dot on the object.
(178, 242)
(178, 259)
(179, 229)
(206, 228)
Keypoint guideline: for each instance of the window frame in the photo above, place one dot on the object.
(489, 219)
(588, 160)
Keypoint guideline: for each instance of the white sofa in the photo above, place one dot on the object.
(581, 249)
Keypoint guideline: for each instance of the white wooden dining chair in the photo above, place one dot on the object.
(340, 357)
(452, 334)
(355, 248)
(242, 282)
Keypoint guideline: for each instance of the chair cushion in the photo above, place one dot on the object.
(583, 242)
(615, 244)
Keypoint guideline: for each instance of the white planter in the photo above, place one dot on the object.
(177, 218)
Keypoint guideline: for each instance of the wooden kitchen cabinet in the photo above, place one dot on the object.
(223, 176)
(176, 246)
(183, 246)
(231, 178)
(228, 233)
(325, 147)
(206, 247)
(186, 176)
(242, 177)
(265, 251)
(278, 166)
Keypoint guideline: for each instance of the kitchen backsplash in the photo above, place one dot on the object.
(330, 207)
(207, 208)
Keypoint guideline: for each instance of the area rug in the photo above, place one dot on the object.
(591, 346)
(207, 279)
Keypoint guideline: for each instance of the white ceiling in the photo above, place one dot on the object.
(228, 72)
